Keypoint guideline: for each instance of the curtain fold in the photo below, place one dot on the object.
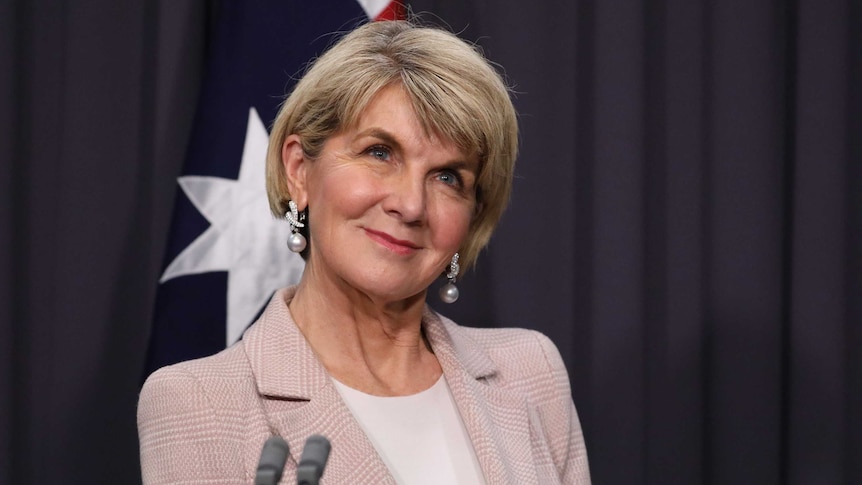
(97, 99)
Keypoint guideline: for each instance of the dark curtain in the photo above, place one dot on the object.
(96, 101)
(686, 226)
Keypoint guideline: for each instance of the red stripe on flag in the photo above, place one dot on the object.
(394, 11)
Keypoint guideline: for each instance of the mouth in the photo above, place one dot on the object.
(398, 246)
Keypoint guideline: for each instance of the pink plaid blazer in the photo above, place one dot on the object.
(205, 421)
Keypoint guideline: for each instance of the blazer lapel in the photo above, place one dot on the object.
(299, 399)
(498, 421)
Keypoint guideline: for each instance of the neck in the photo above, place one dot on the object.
(367, 343)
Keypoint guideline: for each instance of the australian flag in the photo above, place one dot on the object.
(226, 254)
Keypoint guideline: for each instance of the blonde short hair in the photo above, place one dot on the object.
(455, 93)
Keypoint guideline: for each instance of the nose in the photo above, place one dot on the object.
(407, 198)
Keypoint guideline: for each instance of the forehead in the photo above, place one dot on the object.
(390, 105)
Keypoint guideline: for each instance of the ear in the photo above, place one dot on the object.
(295, 169)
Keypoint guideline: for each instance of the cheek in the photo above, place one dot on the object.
(347, 193)
(453, 225)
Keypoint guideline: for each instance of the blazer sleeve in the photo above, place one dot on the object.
(180, 438)
(562, 425)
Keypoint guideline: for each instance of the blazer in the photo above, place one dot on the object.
(205, 420)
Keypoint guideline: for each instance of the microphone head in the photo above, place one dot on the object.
(271, 464)
(313, 460)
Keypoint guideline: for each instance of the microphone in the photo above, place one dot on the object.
(313, 460)
(271, 464)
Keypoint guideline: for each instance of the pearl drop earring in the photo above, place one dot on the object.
(296, 242)
(449, 292)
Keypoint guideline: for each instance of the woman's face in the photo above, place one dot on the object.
(389, 204)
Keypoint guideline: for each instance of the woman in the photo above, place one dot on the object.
(392, 160)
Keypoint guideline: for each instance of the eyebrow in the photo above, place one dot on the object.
(383, 135)
(463, 165)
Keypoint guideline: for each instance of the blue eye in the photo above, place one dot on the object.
(379, 152)
(449, 178)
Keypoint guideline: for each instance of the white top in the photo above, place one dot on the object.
(421, 438)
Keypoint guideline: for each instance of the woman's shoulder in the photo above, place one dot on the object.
(518, 344)
(200, 411)
(217, 381)
(518, 353)
(229, 363)
(507, 336)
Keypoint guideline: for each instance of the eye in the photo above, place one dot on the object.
(379, 152)
(449, 177)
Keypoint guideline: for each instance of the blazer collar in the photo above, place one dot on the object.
(498, 421)
(287, 370)
(298, 374)
(449, 339)
(283, 363)
(299, 399)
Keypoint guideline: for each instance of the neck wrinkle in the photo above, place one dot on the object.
(365, 345)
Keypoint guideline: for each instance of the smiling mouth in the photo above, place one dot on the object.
(397, 245)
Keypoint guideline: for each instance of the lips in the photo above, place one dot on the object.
(399, 246)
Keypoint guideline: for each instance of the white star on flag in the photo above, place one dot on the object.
(243, 238)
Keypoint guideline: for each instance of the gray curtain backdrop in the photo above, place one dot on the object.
(686, 226)
(96, 103)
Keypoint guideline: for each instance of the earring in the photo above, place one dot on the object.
(449, 292)
(296, 242)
